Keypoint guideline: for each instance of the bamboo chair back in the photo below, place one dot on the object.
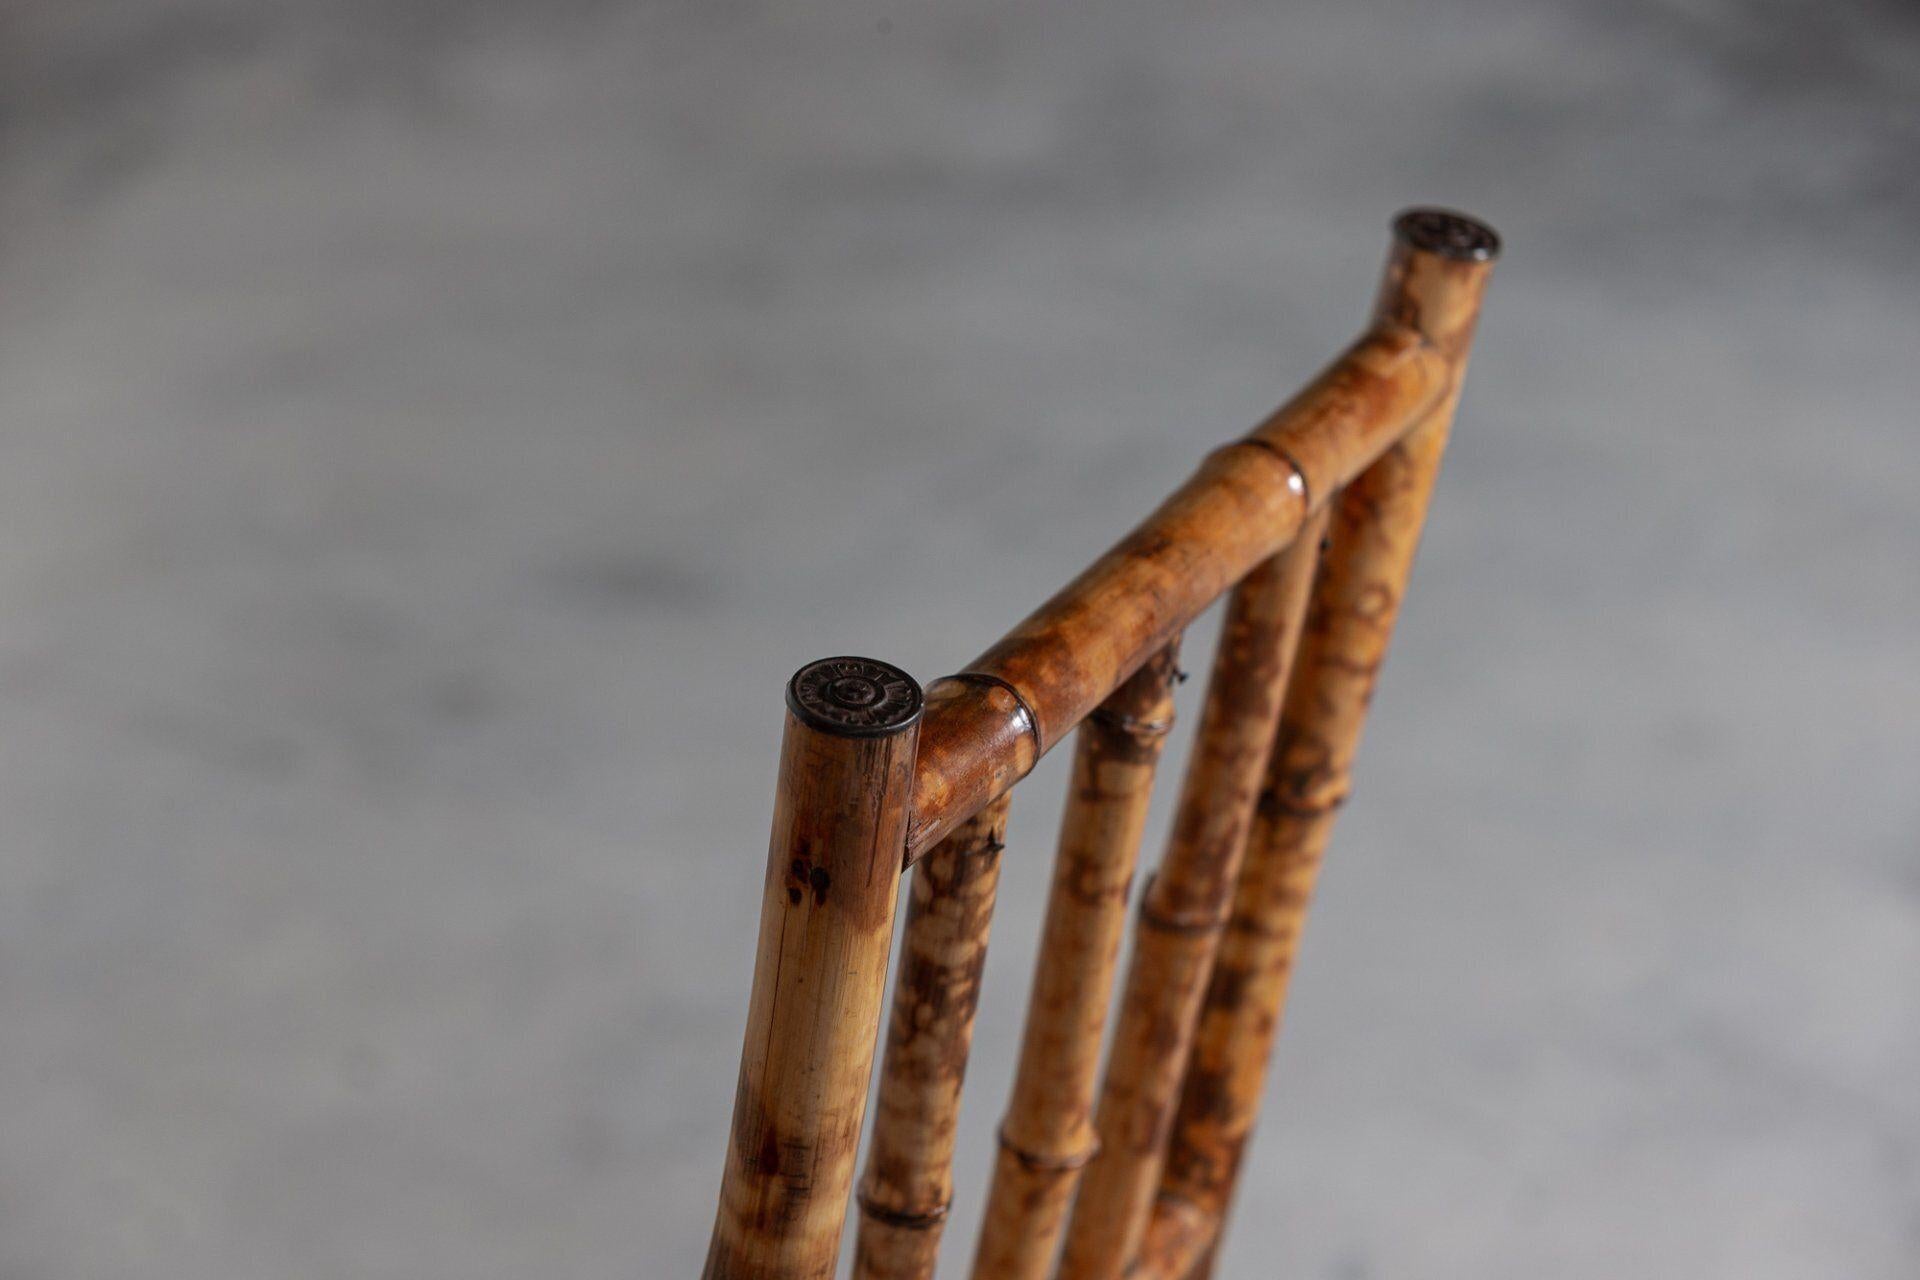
(1310, 523)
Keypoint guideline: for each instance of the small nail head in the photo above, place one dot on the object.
(854, 697)
(1448, 233)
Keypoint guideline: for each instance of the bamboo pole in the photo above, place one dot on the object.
(826, 922)
(1246, 502)
(1047, 1136)
(909, 1178)
(1185, 908)
(1434, 282)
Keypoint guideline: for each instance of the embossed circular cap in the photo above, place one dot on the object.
(854, 697)
(1449, 234)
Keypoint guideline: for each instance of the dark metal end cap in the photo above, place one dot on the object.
(854, 697)
(1449, 234)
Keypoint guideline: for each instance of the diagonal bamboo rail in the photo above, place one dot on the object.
(874, 776)
(1246, 502)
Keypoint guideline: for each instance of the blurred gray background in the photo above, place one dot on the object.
(431, 434)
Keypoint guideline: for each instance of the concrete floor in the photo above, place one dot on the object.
(432, 434)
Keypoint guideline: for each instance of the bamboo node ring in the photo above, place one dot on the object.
(1184, 922)
(1042, 1162)
(854, 697)
(1029, 724)
(1133, 726)
(1273, 802)
(905, 1219)
(1296, 474)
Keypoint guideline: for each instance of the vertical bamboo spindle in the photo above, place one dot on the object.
(1047, 1136)
(909, 1177)
(1185, 908)
(1434, 281)
(826, 922)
